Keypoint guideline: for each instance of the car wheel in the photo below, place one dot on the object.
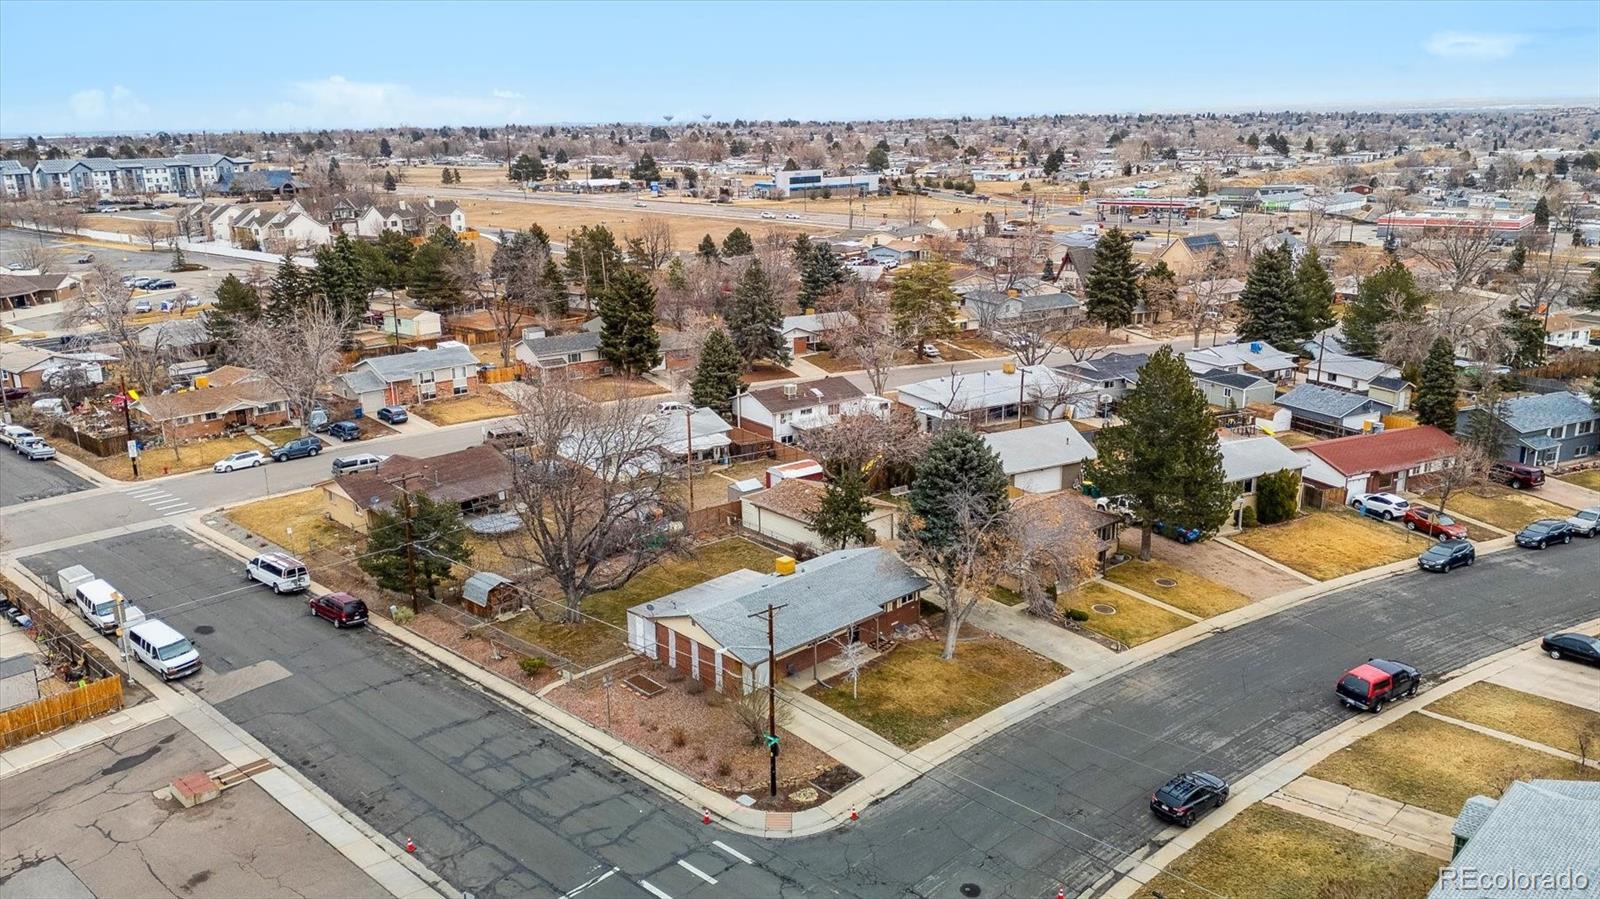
(1411, 525)
(1514, 485)
(1388, 516)
(276, 590)
(256, 464)
(1566, 539)
(310, 610)
(1187, 820)
(1470, 560)
(315, 451)
(1555, 654)
(1377, 707)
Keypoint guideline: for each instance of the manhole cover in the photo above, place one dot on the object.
(1104, 609)
(1166, 582)
(203, 629)
(971, 889)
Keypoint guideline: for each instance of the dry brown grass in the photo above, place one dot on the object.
(156, 461)
(1444, 764)
(490, 215)
(1326, 545)
(1525, 715)
(1589, 479)
(1133, 622)
(1193, 594)
(294, 521)
(607, 389)
(472, 407)
(1507, 509)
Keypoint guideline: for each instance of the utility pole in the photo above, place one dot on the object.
(772, 696)
(411, 546)
(688, 456)
(1022, 380)
(127, 423)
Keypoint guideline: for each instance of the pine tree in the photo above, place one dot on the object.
(737, 243)
(291, 288)
(237, 304)
(438, 541)
(1388, 294)
(593, 258)
(628, 338)
(1049, 269)
(1164, 456)
(553, 288)
(1524, 336)
(821, 274)
(341, 277)
(1541, 215)
(922, 300)
(840, 517)
(707, 251)
(444, 176)
(389, 184)
(1313, 296)
(753, 319)
(429, 280)
(1112, 291)
(959, 466)
(1590, 299)
(1267, 305)
(717, 378)
(1517, 259)
(645, 169)
(384, 149)
(1436, 395)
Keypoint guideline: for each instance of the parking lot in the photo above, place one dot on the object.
(22, 481)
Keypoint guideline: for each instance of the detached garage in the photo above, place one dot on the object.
(1042, 459)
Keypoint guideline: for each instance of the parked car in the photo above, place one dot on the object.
(162, 284)
(142, 283)
(1540, 534)
(10, 434)
(235, 461)
(13, 613)
(35, 449)
(1387, 506)
(1186, 797)
(769, 215)
(163, 650)
(792, 216)
(1516, 475)
(1433, 523)
(930, 351)
(142, 306)
(1586, 522)
(1578, 647)
(1369, 686)
(298, 448)
(638, 205)
(280, 571)
(393, 414)
(83, 258)
(358, 462)
(345, 430)
(340, 608)
(1447, 554)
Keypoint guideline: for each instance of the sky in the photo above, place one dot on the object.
(82, 67)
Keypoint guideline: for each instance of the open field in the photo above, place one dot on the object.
(614, 387)
(121, 225)
(1444, 764)
(911, 696)
(294, 521)
(166, 460)
(490, 215)
(1267, 851)
(1191, 593)
(1326, 545)
(1503, 507)
(1132, 621)
(1537, 718)
(593, 641)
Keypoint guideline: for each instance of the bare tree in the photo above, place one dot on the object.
(1031, 337)
(867, 442)
(1460, 257)
(500, 293)
(650, 244)
(1468, 468)
(591, 490)
(1052, 543)
(154, 231)
(868, 339)
(963, 568)
(36, 255)
(298, 356)
(103, 302)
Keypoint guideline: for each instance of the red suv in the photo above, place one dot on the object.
(340, 608)
(1368, 687)
(1431, 522)
(1516, 475)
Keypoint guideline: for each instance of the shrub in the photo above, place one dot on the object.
(751, 712)
(1247, 517)
(678, 737)
(724, 767)
(1277, 496)
(403, 615)
(674, 676)
(694, 687)
(532, 666)
(1077, 615)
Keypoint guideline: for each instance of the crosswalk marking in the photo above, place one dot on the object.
(160, 500)
(651, 887)
(733, 852)
(588, 883)
(696, 871)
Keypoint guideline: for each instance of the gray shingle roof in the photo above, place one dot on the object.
(1110, 367)
(1325, 401)
(1543, 412)
(562, 344)
(1046, 446)
(824, 595)
(1231, 378)
(1387, 383)
(1253, 457)
(1543, 827)
(403, 366)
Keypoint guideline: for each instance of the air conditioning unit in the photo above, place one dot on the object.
(791, 390)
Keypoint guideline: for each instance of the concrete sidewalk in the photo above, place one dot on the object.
(1397, 823)
(1054, 643)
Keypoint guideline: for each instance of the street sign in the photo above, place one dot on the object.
(772, 740)
(133, 449)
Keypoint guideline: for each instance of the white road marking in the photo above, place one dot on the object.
(733, 852)
(696, 871)
(145, 491)
(181, 511)
(651, 887)
(167, 503)
(588, 883)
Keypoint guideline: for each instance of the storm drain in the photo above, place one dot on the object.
(1103, 609)
(1166, 582)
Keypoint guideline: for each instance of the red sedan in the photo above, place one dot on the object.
(1431, 522)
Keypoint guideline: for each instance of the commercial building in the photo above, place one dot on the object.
(807, 182)
(1503, 225)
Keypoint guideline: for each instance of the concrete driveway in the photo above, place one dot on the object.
(1216, 562)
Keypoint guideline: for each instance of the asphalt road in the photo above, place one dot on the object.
(502, 807)
(22, 481)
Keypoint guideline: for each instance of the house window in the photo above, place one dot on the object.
(1584, 427)
(1580, 452)
(1557, 433)
(783, 418)
(574, 357)
(460, 388)
(211, 416)
(1227, 392)
(833, 408)
(1247, 486)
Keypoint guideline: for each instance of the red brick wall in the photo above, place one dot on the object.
(404, 393)
(195, 430)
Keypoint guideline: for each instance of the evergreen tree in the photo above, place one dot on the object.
(1049, 273)
(707, 251)
(753, 319)
(628, 338)
(958, 466)
(237, 304)
(335, 177)
(821, 274)
(291, 288)
(389, 184)
(525, 169)
(1518, 258)
(840, 517)
(397, 249)
(789, 165)
(1541, 216)
(1436, 395)
(1200, 187)
(429, 280)
(677, 276)
(438, 541)
(800, 250)
(1387, 295)
(877, 159)
(1164, 456)
(1313, 295)
(717, 378)
(384, 149)
(1524, 336)
(922, 300)
(737, 243)
(593, 259)
(645, 169)
(1267, 306)
(341, 277)
(445, 176)
(561, 155)
(553, 288)
(1590, 298)
(1112, 290)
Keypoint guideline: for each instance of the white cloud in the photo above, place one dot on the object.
(336, 102)
(95, 108)
(1470, 45)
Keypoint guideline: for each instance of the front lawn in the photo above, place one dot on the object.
(1589, 479)
(590, 641)
(296, 522)
(159, 460)
(1507, 509)
(1130, 620)
(832, 363)
(911, 696)
(471, 407)
(1326, 545)
(1438, 766)
(1190, 592)
(1267, 851)
(613, 387)
(1526, 715)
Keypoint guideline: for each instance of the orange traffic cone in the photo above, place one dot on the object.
(411, 845)
(854, 816)
(705, 816)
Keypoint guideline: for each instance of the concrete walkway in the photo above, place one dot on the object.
(1397, 823)
(1562, 681)
(806, 370)
(1054, 643)
(864, 751)
(1267, 560)
(1566, 493)
(1142, 597)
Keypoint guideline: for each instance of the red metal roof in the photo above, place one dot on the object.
(1385, 452)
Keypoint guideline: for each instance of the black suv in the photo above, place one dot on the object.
(1188, 796)
(1544, 532)
(296, 449)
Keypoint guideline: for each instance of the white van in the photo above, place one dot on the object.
(283, 573)
(163, 650)
(10, 434)
(97, 603)
(357, 462)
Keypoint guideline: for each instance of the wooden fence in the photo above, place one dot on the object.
(42, 716)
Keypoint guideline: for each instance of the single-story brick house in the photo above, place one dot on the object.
(1247, 459)
(232, 397)
(33, 368)
(19, 291)
(707, 632)
(1386, 460)
(783, 512)
(407, 378)
(577, 355)
(1042, 459)
(477, 478)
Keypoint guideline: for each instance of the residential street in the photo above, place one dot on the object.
(500, 806)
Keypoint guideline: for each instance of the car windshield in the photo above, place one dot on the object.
(1443, 520)
(1353, 685)
(1438, 551)
(103, 608)
(173, 650)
